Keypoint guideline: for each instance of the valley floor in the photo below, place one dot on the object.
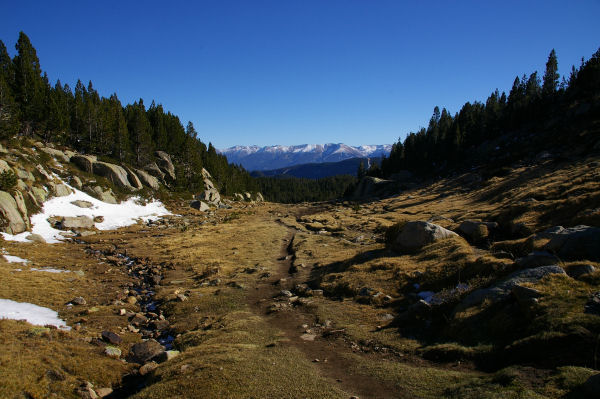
(306, 301)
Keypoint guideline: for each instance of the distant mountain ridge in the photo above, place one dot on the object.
(319, 170)
(255, 158)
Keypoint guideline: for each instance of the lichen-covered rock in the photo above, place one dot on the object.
(415, 235)
(143, 352)
(55, 153)
(199, 205)
(115, 173)
(155, 171)
(133, 179)
(84, 162)
(147, 179)
(13, 220)
(165, 164)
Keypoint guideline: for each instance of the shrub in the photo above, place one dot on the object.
(8, 180)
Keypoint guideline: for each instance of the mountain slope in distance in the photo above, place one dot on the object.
(318, 170)
(256, 158)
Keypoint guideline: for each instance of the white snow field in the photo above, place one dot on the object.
(115, 215)
(33, 314)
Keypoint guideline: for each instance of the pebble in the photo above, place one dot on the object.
(78, 301)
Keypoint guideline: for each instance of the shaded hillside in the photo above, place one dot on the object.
(548, 114)
(319, 170)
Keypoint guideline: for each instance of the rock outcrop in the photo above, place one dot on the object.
(15, 222)
(575, 243)
(210, 194)
(415, 235)
(116, 174)
(147, 179)
(84, 162)
(503, 289)
(166, 165)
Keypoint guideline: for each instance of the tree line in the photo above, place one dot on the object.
(295, 189)
(90, 123)
(534, 107)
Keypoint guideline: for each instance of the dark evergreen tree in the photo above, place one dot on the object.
(29, 86)
(551, 76)
(9, 110)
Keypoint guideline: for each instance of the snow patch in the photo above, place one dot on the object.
(115, 215)
(33, 314)
(14, 259)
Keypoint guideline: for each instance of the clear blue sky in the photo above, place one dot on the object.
(304, 71)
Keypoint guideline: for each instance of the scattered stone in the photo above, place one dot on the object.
(536, 259)
(167, 355)
(112, 351)
(476, 231)
(577, 271)
(308, 337)
(35, 238)
(138, 319)
(98, 219)
(143, 352)
(148, 368)
(86, 391)
(199, 205)
(111, 337)
(82, 204)
(575, 243)
(415, 235)
(182, 297)
(286, 293)
(131, 300)
(104, 392)
(503, 289)
(78, 301)
(592, 306)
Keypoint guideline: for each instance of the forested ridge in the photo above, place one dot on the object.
(538, 114)
(82, 119)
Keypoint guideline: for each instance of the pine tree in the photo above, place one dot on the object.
(551, 76)
(29, 84)
(9, 112)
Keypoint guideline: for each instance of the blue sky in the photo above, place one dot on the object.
(306, 71)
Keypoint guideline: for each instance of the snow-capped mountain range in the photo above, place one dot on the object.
(254, 158)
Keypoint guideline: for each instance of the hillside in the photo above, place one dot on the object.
(319, 170)
(320, 300)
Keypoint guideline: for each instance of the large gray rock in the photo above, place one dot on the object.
(116, 174)
(147, 179)
(537, 258)
(503, 289)
(165, 164)
(238, 197)
(84, 162)
(71, 222)
(55, 153)
(199, 205)
(259, 197)
(575, 243)
(9, 212)
(415, 235)
(59, 189)
(155, 171)
(133, 179)
(475, 230)
(20, 201)
(4, 166)
(40, 194)
(103, 195)
(143, 352)
(211, 196)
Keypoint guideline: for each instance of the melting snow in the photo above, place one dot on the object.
(115, 215)
(14, 259)
(49, 270)
(33, 314)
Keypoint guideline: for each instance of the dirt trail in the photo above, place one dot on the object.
(296, 322)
